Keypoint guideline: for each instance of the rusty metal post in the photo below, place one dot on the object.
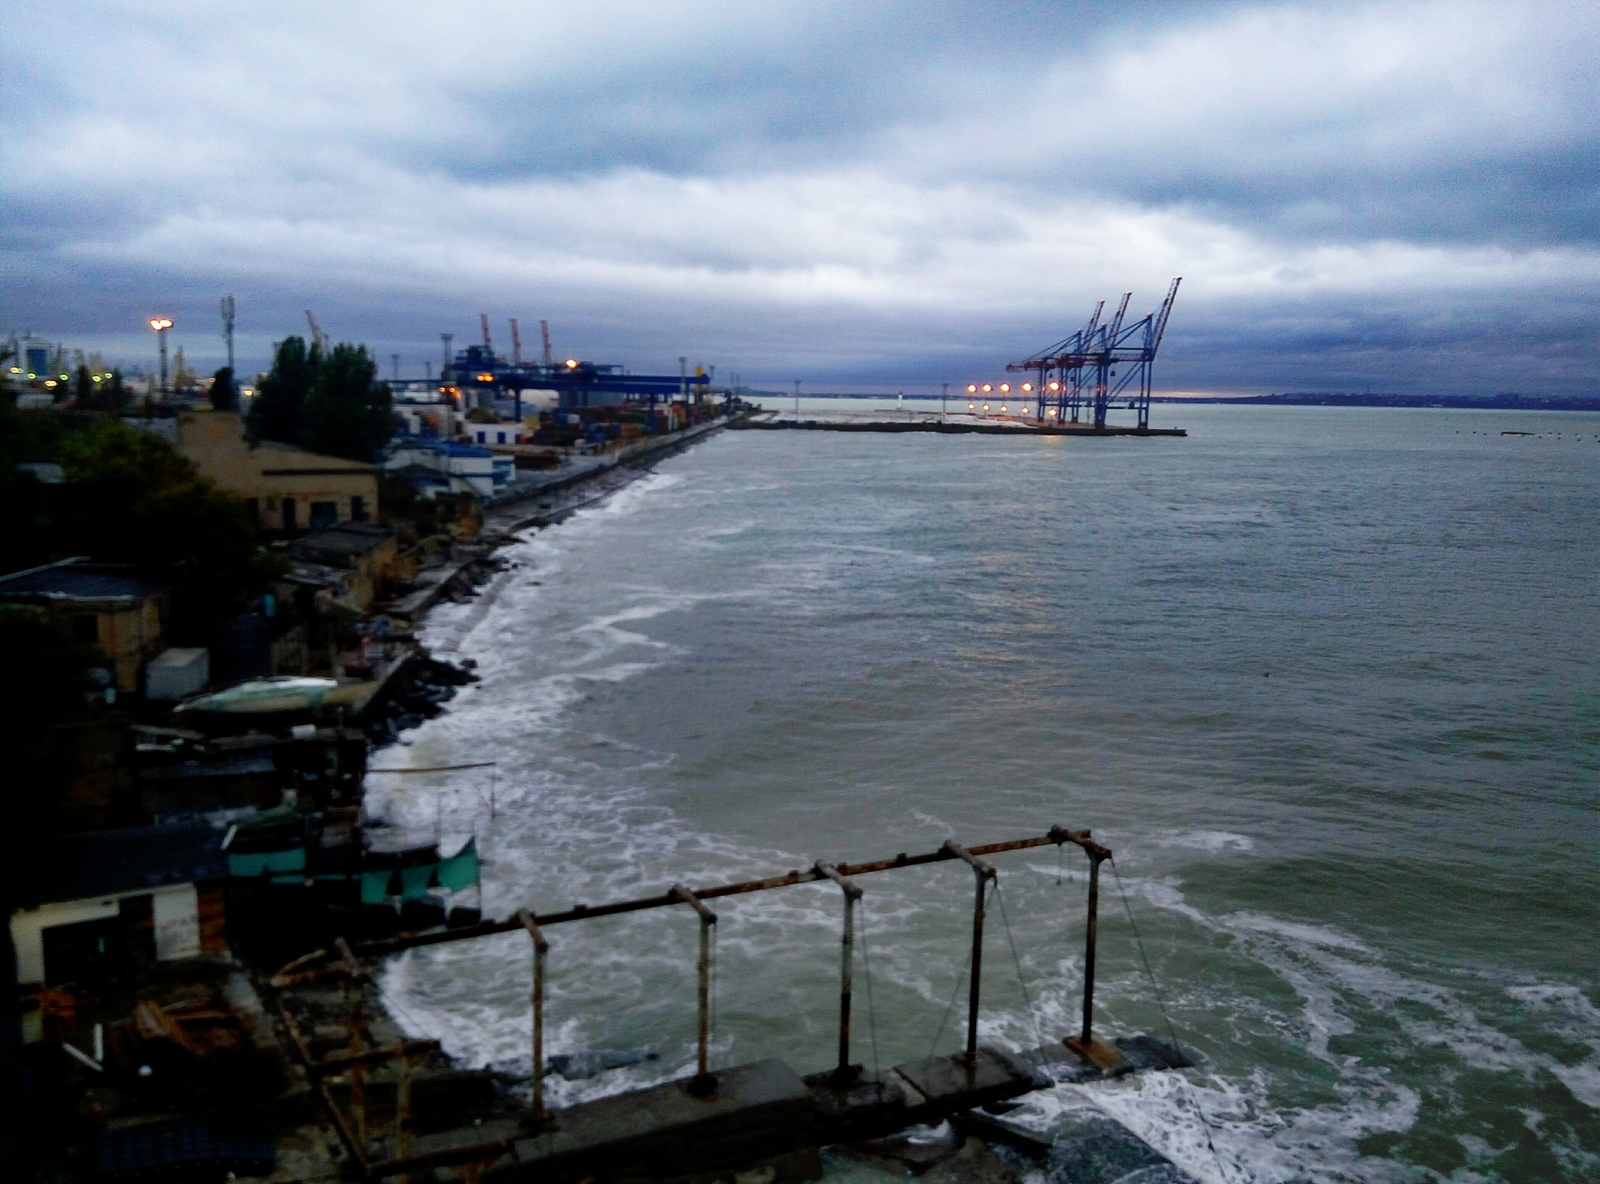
(358, 1022)
(541, 947)
(358, 1071)
(844, 1074)
(704, 1082)
(402, 1110)
(982, 873)
(1091, 928)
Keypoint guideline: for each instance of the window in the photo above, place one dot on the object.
(358, 508)
(501, 438)
(324, 515)
(483, 437)
(254, 506)
(290, 520)
(86, 628)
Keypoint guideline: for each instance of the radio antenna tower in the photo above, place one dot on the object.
(227, 328)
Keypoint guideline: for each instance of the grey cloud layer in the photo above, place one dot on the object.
(860, 191)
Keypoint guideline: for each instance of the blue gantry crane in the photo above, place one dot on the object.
(477, 373)
(1098, 363)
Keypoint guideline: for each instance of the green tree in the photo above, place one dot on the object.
(83, 387)
(281, 393)
(113, 397)
(224, 394)
(348, 412)
(153, 510)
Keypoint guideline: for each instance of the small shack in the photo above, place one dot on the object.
(101, 905)
(106, 605)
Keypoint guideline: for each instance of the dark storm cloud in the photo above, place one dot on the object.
(847, 192)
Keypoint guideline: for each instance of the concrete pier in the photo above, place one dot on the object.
(948, 428)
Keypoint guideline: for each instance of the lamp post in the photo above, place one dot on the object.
(161, 325)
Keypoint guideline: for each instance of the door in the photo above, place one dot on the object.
(85, 954)
(290, 521)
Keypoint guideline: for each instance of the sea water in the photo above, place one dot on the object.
(1324, 679)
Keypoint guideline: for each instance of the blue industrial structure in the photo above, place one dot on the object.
(578, 385)
(1083, 365)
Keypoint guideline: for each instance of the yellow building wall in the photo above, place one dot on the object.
(271, 474)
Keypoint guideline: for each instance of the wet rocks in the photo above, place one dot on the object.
(413, 694)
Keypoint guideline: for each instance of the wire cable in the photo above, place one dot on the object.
(951, 1005)
(1194, 1099)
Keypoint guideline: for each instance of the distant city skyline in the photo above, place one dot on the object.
(860, 196)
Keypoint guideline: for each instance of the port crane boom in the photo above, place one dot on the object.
(1095, 349)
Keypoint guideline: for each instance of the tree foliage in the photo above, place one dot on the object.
(152, 509)
(348, 412)
(224, 392)
(282, 391)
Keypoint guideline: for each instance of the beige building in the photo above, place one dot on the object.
(290, 490)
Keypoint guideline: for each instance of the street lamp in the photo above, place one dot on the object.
(161, 325)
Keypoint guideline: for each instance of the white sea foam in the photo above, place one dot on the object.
(1212, 842)
(583, 817)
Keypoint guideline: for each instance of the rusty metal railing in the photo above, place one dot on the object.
(704, 1081)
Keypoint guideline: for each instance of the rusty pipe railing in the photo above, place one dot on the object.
(678, 894)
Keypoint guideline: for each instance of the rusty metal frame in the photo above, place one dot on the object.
(583, 912)
(704, 1081)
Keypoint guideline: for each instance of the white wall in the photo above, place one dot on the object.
(176, 911)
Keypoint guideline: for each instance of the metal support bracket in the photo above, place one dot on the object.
(846, 1073)
(704, 1082)
(539, 1117)
(982, 872)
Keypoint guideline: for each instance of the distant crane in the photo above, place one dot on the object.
(1095, 349)
(516, 345)
(227, 328)
(488, 346)
(318, 337)
(544, 331)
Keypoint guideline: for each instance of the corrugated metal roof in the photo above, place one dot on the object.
(84, 581)
(123, 859)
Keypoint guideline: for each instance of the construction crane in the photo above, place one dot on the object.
(488, 346)
(1083, 363)
(516, 345)
(318, 338)
(544, 331)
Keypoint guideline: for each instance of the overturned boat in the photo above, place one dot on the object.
(285, 692)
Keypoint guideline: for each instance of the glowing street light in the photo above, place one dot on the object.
(1004, 387)
(972, 389)
(572, 363)
(161, 325)
(987, 388)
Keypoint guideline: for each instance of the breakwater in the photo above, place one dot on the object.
(947, 428)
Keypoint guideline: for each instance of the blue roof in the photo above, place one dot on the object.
(123, 859)
(76, 581)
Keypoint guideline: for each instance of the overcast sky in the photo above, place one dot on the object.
(854, 194)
